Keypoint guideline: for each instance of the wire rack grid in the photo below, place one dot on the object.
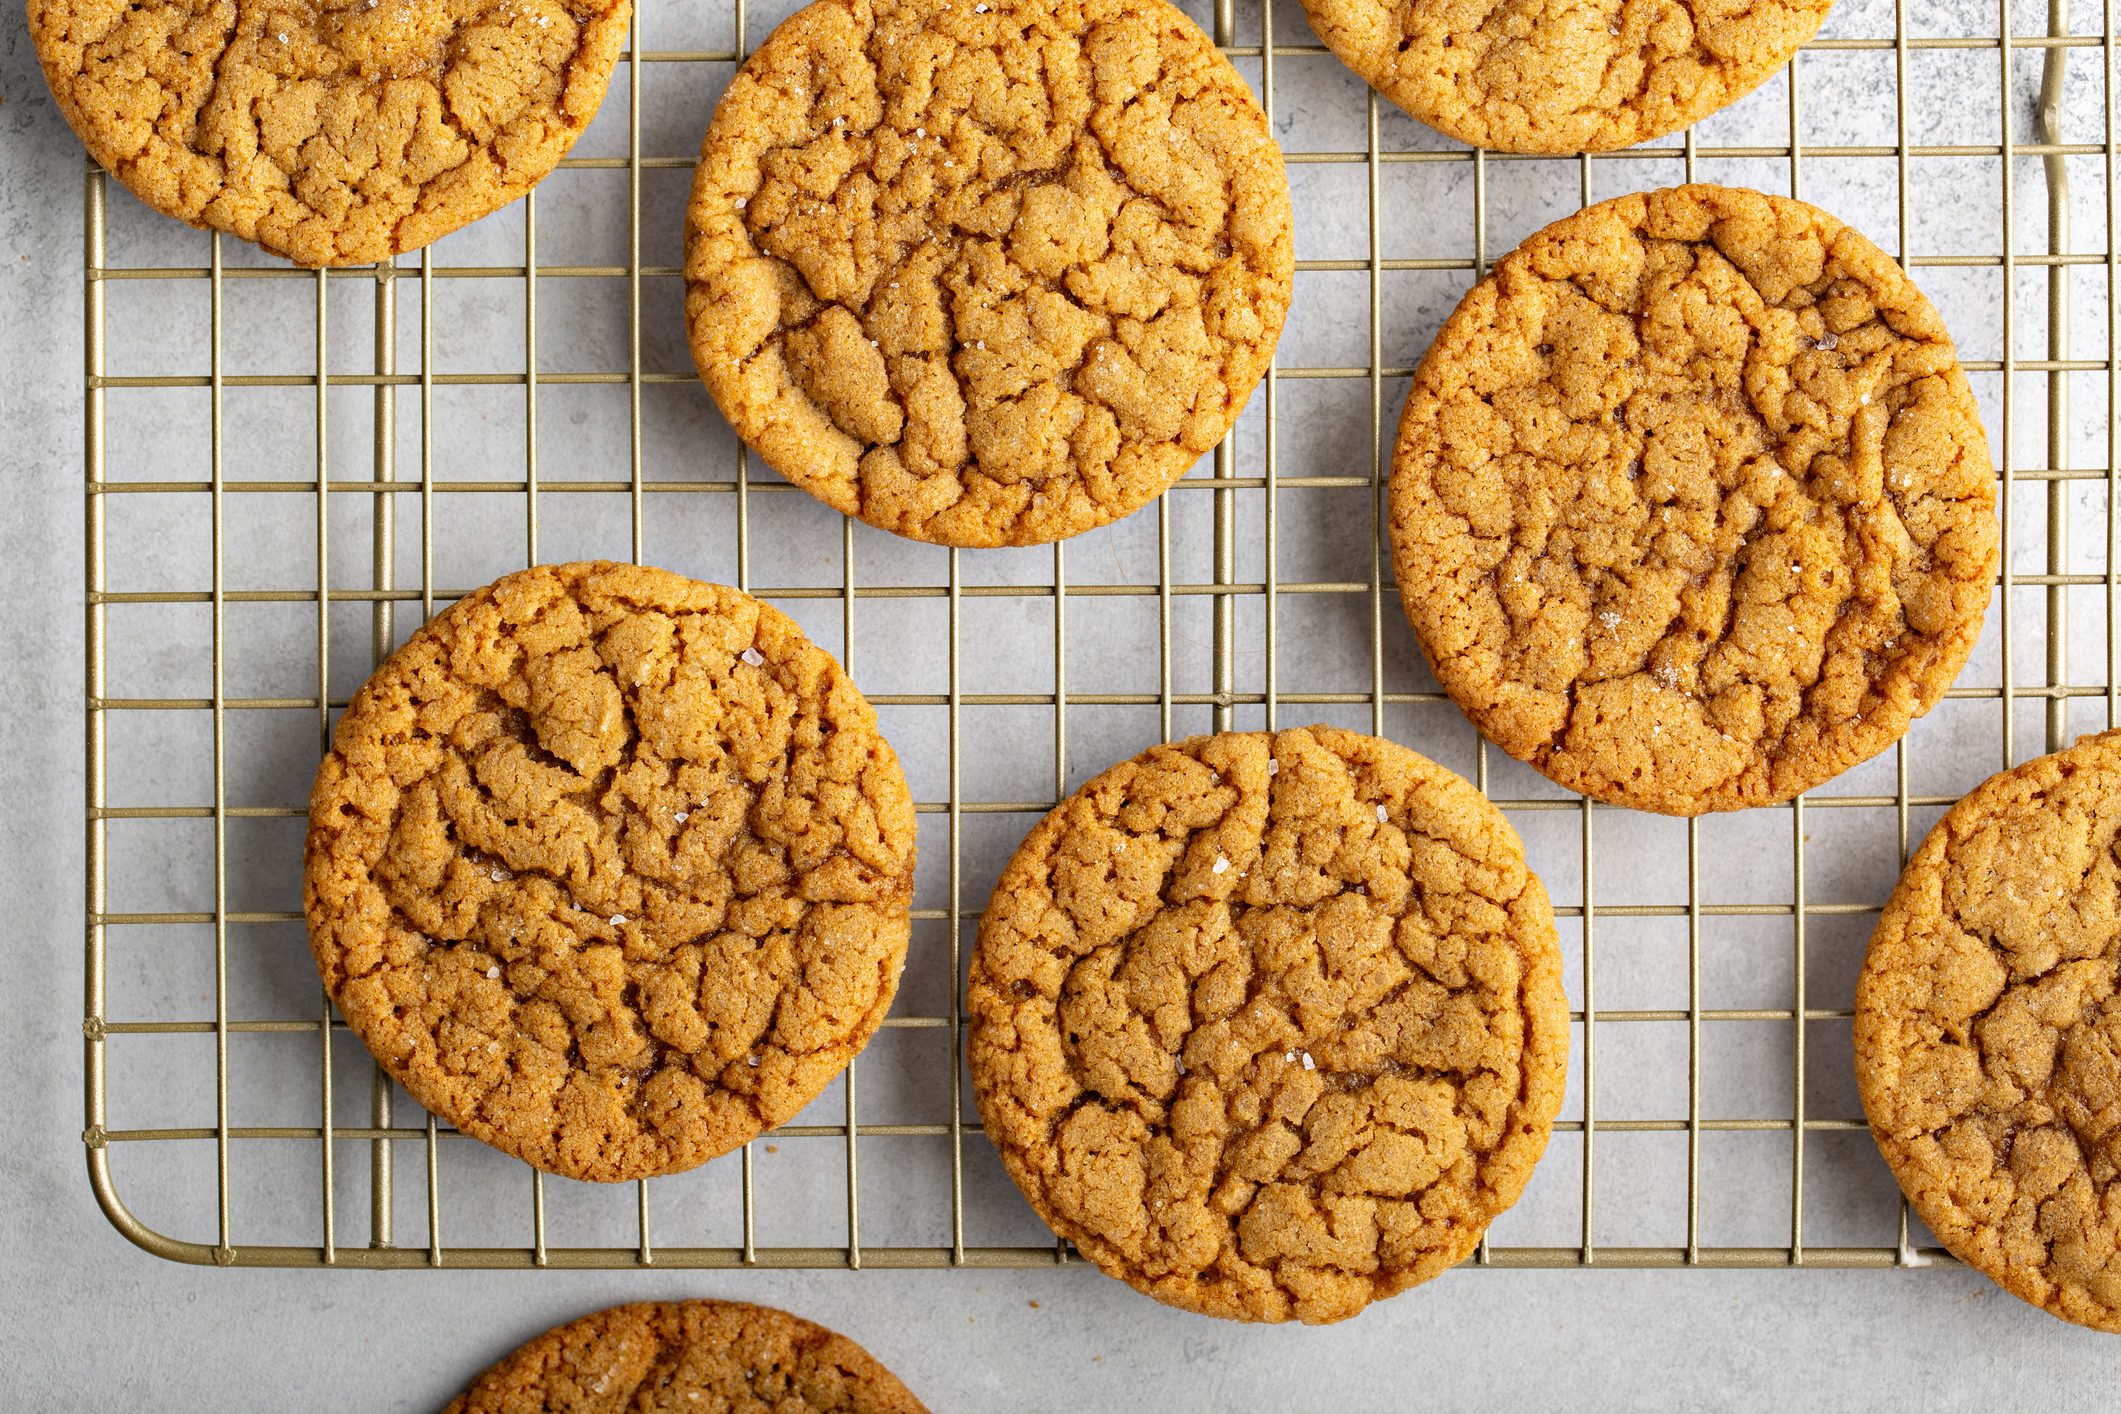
(342, 1170)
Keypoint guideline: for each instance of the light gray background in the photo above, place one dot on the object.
(89, 1320)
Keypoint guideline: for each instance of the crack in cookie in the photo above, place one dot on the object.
(1988, 1031)
(986, 274)
(610, 869)
(1691, 505)
(1270, 1025)
(691, 1356)
(331, 132)
(1563, 76)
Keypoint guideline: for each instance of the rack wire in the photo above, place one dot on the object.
(1219, 641)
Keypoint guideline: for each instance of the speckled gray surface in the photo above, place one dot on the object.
(92, 1322)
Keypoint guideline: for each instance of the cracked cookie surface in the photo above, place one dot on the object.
(610, 868)
(986, 274)
(1270, 1025)
(332, 132)
(1563, 76)
(703, 1357)
(1988, 1031)
(1691, 505)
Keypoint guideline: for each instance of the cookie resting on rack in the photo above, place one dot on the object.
(1691, 506)
(1564, 76)
(610, 869)
(986, 274)
(332, 132)
(688, 1357)
(1988, 1031)
(1270, 1025)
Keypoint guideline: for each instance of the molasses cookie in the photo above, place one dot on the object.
(986, 274)
(697, 1357)
(333, 132)
(1691, 505)
(1270, 1025)
(610, 868)
(1988, 1031)
(1547, 76)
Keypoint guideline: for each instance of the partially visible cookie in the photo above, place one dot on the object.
(332, 133)
(1562, 76)
(1270, 1025)
(688, 1357)
(1988, 1031)
(986, 274)
(1691, 505)
(610, 868)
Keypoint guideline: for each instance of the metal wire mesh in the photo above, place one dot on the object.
(1217, 623)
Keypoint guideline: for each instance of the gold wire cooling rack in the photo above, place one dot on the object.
(246, 1121)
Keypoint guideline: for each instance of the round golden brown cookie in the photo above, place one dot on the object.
(610, 868)
(1270, 1025)
(697, 1357)
(1691, 505)
(1988, 1031)
(333, 132)
(1562, 76)
(986, 274)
